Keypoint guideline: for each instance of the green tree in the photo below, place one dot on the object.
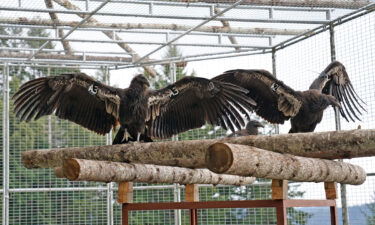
(370, 215)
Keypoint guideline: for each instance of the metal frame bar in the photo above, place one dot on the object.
(161, 16)
(49, 39)
(190, 30)
(220, 5)
(143, 31)
(5, 159)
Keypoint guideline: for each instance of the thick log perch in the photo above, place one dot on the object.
(328, 145)
(104, 171)
(251, 161)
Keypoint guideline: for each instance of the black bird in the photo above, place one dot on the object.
(142, 113)
(276, 102)
(250, 129)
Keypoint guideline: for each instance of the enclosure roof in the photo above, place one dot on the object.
(130, 33)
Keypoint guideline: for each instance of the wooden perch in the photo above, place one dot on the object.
(104, 171)
(328, 145)
(251, 161)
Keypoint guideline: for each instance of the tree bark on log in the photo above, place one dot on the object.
(251, 161)
(155, 26)
(328, 145)
(104, 171)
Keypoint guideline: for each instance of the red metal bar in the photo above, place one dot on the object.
(125, 214)
(308, 203)
(193, 216)
(280, 206)
(281, 213)
(229, 204)
(334, 220)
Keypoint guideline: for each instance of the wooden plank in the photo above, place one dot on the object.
(331, 190)
(191, 193)
(125, 192)
(279, 189)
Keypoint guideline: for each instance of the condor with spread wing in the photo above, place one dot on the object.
(276, 102)
(142, 113)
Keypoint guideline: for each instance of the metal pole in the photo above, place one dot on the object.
(277, 128)
(6, 145)
(71, 30)
(176, 187)
(49, 118)
(344, 205)
(108, 142)
(190, 30)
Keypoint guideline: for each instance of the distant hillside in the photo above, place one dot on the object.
(321, 215)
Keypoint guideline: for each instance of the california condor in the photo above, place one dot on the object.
(276, 102)
(251, 128)
(143, 113)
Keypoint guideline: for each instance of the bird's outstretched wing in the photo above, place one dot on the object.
(334, 80)
(75, 97)
(276, 102)
(191, 102)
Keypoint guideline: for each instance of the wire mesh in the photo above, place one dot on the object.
(297, 66)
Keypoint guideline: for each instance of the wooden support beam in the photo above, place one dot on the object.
(279, 189)
(55, 20)
(155, 26)
(104, 171)
(251, 161)
(125, 192)
(191, 193)
(191, 154)
(225, 23)
(67, 4)
(330, 189)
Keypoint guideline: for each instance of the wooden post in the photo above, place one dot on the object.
(279, 189)
(125, 197)
(125, 192)
(192, 195)
(330, 189)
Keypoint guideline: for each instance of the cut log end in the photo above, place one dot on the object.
(71, 169)
(59, 173)
(219, 158)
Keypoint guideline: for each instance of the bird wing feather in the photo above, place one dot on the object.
(338, 84)
(75, 97)
(191, 102)
(276, 102)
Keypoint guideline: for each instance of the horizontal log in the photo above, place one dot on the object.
(251, 161)
(104, 171)
(328, 145)
(154, 26)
